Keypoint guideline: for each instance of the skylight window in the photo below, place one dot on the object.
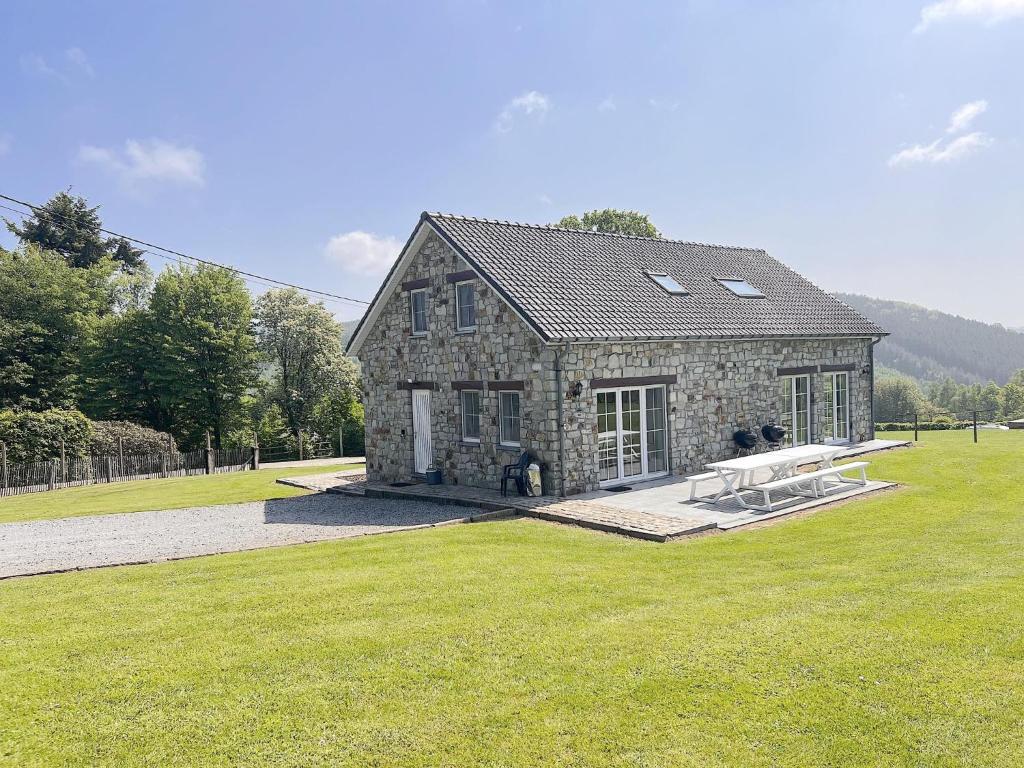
(668, 283)
(741, 288)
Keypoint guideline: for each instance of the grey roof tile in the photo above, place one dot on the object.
(588, 285)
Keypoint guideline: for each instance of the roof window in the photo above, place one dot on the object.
(741, 288)
(668, 283)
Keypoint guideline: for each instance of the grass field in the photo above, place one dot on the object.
(889, 631)
(142, 495)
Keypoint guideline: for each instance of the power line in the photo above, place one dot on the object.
(175, 259)
(266, 281)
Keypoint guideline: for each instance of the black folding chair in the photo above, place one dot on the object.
(515, 472)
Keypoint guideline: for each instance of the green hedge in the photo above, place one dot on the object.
(134, 438)
(923, 426)
(36, 436)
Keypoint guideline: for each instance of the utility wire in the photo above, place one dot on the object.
(265, 280)
(175, 259)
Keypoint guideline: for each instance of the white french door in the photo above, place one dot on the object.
(421, 429)
(632, 439)
(795, 408)
(837, 408)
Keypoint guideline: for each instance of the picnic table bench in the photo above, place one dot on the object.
(737, 475)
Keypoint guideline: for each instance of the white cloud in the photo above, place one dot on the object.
(953, 149)
(77, 58)
(363, 253)
(662, 105)
(5, 143)
(532, 104)
(75, 62)
(154, 160)
(937, 152)
(607, 105)
(962, 117)
(987, 12)
(544, 199)
(35, 64)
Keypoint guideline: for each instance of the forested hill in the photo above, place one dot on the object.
(930, 345)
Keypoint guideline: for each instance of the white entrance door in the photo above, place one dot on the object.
(837, 408)
(421, 429)
(795, 408)
(631, 434)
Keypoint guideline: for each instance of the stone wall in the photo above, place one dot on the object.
(720, 386)
(502, 348)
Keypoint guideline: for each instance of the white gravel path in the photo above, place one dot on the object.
(45, 546)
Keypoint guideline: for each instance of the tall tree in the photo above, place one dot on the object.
(118, 370)
(302, 342)
(989, 401)
(47, 309)
(67, 225)
(612, 221)
(898, 398)
(1012, 400)
(202, 324)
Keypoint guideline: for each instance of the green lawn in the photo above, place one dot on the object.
(888, 631)
(142, 495)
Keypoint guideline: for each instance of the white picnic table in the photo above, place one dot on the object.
(738, 474)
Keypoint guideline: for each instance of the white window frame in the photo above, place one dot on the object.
(793, 396)
(465, 412)
(458, 306)
(412, 312)
(501, 417)
(834, 407)
(645, 473)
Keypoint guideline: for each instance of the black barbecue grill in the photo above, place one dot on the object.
(746, 442)
(773, 435)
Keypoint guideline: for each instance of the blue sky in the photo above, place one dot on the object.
(875, 147)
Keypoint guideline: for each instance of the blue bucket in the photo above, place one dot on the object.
(434, 477)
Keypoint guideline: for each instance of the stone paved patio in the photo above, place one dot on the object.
(657, 510)
(577, 511)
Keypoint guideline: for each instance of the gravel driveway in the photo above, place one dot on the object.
(86, 542)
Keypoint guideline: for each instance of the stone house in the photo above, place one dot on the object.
(609, 358)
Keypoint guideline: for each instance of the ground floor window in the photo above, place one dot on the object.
(795, 408)
(657, 445)
(836, 427)
(632, 437)
(471, 415)
(509, 421)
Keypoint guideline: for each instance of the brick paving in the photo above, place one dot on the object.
(588, 514)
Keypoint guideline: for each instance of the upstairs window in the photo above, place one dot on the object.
(670, 284)
(418, 306)
(465, 306)
(741, 288)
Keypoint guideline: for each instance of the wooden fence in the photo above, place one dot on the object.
(90, 470)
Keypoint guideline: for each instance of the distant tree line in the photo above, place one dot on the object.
(84, 325)
(898, 398)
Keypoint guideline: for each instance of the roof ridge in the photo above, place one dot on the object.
(553, 228)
